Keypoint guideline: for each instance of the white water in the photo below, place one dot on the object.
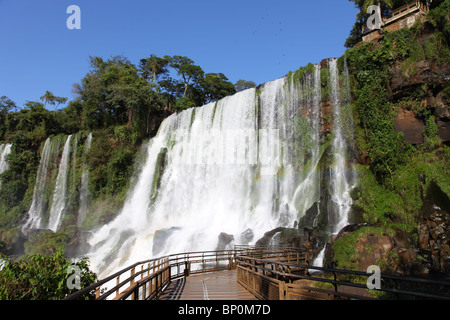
(84, 191)
(37, 208)
(340, 177)
(5, 150)
(242, 166)
(59, 202)
(342, 171)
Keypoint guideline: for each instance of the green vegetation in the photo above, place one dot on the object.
(386, 7)
(42, 277)
(371, 66)
(391, 188)
(122, 105)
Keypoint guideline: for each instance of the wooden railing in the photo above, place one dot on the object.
(273, 280)
(405, 10)
(145, 280)
(268, 272)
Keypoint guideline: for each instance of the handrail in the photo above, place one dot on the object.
(282, 264)
(162, 267)
(249, 261)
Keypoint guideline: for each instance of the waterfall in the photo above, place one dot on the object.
(240, 166)
(36, 211)
(59, 202)
(5, 150)
(340, 177)
(84, 189)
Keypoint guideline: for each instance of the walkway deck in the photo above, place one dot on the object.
(220, 285)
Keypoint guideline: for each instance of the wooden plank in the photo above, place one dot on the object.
(221, 285)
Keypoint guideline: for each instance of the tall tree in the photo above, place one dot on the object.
(215, 86)
(241, 85)
(153, 66)
(188, 72)
(6, 105)
(384, 6)
(48, 97)
(368, 3)
(53, 100)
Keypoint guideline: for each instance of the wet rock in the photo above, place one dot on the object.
(246, 236)
(225, 240)
(434, 230)
(160, 238)
(265, 240)
(79, 244)
(393, 254)
(425, 72)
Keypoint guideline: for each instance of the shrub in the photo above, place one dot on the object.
(41, 277)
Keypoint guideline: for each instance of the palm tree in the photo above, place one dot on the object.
(51, 99)
(368, 3)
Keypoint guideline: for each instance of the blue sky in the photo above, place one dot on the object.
(254, 40)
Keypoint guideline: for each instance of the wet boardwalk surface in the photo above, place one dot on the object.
(221, 285)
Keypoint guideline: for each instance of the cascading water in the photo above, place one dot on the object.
(342, 173)
(5, 150)
(59, 202)
(241, 166)
(84, 189)
(35, 213)
(51, 190)
(340, 177)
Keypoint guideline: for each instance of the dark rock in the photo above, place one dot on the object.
(107, 217)
(79, 244)
(394, 254)
(265, 240)
(411, 127)
(434, 230)
(12, 242)
(225, 240)
(246, 236)
(444, 130)
(425, 72)
(160, 238)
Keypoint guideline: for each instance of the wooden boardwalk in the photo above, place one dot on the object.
(221, 285)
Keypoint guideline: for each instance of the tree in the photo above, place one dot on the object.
(188, 72)
(215, 86)
(368, 3)
(384, 6)
(241, 85)
(48, 97)
(6, 105)
(153, 66)
(53, 100)
(42, 277)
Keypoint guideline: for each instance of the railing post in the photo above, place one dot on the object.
(133, 271)
(117, 283)
(282, 290)
(334, 283)
(186, 268)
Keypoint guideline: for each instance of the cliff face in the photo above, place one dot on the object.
(401, 218)
(430, 78)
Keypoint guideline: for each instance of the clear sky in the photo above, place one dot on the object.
(254, 40)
